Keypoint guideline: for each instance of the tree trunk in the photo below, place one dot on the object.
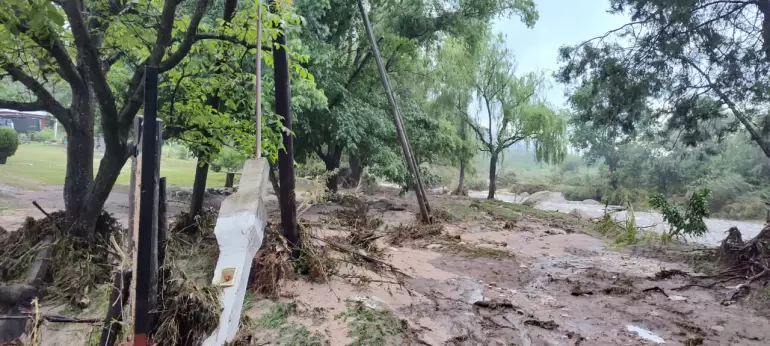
(332, 162)
(274, 182)
(285, 157)
(492, 176)
(461, 181)
(78, 178)
(199, 186)
(356, 169)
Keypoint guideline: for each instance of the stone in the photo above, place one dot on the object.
(717, 329)
(434, 246)
(240, 229)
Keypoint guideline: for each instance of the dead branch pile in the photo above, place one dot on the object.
(271, 265)
(354, 256)
(741, 261)
(78, 264)
(189, 305)
(748, 259)
(414, 231)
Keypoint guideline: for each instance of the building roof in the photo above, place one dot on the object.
(10, 113)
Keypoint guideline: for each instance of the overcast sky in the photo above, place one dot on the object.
(561, 22)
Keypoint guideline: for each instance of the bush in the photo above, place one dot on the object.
(506, 180)
(9, 142)
(44, 135)
(476, 184)
(748, 207)
(229, 160)
(725, 190)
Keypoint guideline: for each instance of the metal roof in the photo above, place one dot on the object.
(10, 113)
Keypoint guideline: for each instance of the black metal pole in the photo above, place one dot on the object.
(145, 256)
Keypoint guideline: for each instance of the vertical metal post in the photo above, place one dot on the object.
(258, 86)
(147, 242)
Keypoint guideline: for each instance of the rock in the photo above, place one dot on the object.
(717, 329)
(434, 246)
(371, 302)
(677, 298)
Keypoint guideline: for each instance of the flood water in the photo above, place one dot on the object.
(649, 220)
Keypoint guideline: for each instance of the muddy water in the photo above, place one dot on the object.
(649, 220)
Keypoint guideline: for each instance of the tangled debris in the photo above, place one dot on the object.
(189, 305)
(80, 265)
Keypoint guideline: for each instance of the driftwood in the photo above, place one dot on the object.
(50, 318)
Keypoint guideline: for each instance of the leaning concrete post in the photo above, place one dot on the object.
(240, 229)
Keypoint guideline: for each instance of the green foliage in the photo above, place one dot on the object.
(373, 327)
(228, 160)
(9, 142)
(44, 135)
(688, 223)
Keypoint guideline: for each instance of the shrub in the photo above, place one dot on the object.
(229, 160)
(44, 135)
(477, 184)
(506, 180)
(748, 207)
(9, 142)
(725, 189)
(684, 223)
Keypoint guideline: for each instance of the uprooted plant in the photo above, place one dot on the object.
(81, 264)
(354, 256)
(684, 223)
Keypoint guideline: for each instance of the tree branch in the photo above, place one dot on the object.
(136, 86)
(44, 98)
(22, 106)
(87, 52)
(187, 42)
(232, 39)
(57, 50)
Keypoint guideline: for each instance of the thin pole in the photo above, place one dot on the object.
(258, 87)
(146, 259)
(408, 158)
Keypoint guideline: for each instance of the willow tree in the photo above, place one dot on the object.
(356, 117)
(513, 111)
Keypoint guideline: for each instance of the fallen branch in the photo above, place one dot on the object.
(46, 215)
(655, 289)
(50, 318)
(366, 257)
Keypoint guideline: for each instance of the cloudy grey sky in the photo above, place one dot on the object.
(561, 22)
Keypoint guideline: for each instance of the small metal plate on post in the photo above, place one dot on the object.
(227, 277)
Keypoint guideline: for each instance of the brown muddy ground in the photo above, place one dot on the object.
(560, 286)
(545, 281)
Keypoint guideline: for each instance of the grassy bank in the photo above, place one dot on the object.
(38, 164)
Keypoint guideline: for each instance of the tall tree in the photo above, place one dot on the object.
(456, 68)
(346, 71)
(80, 43)
(513, 111)
(675, 55)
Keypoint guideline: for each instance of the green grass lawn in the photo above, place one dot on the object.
(35, 164)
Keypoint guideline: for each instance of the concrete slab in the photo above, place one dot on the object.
(239, 230)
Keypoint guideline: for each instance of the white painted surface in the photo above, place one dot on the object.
(239, 230)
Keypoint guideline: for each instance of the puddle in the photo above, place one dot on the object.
(645, 334)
